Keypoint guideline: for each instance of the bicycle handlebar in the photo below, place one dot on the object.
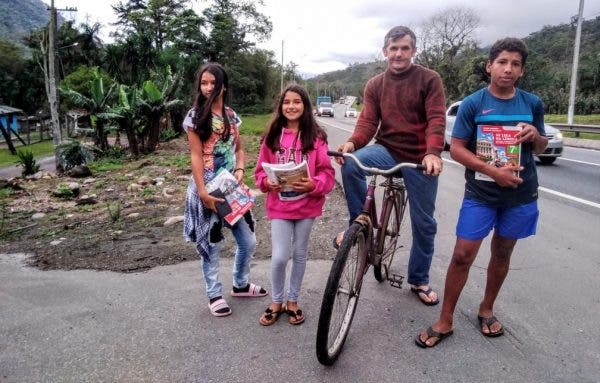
(377, 171)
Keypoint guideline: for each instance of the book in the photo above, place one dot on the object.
(237, 198)
(496, 145)
(285, 175)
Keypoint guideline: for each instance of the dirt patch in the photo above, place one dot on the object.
(125, 230)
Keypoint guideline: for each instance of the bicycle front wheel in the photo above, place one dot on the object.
(387, 237)
(341, 294)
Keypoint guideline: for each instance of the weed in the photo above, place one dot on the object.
(106, 164)
(147, 192)
(27, 160)
(63, 191)
(114, 211)
(168, 134)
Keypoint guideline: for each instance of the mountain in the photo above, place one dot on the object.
(20, 17)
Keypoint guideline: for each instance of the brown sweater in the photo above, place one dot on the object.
(411, 107)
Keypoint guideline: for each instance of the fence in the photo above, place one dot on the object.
(577, 128)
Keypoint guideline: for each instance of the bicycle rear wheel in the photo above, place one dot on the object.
(388, 234)
(341, 294)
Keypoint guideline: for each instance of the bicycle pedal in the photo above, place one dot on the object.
(396, 280)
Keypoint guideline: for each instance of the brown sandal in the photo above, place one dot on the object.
(269, 316)
(296, 317)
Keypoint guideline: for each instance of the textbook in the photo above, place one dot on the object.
(238, 199)
(285, 175)
(497, 146)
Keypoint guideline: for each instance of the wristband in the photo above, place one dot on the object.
(243, 171)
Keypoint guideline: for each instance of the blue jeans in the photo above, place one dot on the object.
(246, 245)
(422, 190)
(286, 232)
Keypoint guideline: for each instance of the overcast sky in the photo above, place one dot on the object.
(321, 36)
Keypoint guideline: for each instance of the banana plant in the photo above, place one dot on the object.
(96, 105)
(126, 114)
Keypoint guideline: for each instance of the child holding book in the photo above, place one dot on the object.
(213, 134)
(292, 136)
(508, 203)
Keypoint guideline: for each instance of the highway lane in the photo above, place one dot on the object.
(548, 301)
(574, 176)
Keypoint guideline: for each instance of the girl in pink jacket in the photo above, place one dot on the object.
(294, 136)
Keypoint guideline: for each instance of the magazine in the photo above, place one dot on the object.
(497, 146)
(285, 175)
(237, 198)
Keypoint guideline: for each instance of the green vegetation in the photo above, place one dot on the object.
(592, 119)
(28, 162)
(106, 165)
(40, 149)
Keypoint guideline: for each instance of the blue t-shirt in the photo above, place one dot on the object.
(482, 108)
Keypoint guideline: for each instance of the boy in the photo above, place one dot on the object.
(508, 205)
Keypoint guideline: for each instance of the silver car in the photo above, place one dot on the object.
(552, 152)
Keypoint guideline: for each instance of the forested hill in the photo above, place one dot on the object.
(547, 73)
(20, 17)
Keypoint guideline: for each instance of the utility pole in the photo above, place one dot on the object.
(51, 77)
(571, 111)
(281, 91)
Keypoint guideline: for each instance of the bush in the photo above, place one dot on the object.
(73, 154)
(28, 162)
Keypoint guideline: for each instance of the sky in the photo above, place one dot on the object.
(322, 36)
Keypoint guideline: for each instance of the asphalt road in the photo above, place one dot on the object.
(87, 326)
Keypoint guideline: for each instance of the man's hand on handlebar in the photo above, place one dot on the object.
(347, 147)
(433, 165)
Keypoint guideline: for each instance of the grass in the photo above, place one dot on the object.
(39, 149)
(591, 119)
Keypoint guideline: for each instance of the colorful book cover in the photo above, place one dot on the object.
(238, 199)
(497, 146)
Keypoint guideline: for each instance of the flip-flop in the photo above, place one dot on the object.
(296, 317)
(218, 305)
(269, 316)
(254, 291)
(334, 241)
(431, 333)
(489, 322)
(426, 292)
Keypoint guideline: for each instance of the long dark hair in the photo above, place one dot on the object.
(202, 112)
(309, 130)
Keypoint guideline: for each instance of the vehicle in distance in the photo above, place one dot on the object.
(325, 109)
(350, 112)
(550, 154)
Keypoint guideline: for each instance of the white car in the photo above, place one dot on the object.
(552, 152)
(350, 112)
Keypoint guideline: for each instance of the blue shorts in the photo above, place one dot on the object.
(477, 219)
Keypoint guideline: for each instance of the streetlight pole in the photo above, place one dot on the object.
(281, 91)
(571, 111)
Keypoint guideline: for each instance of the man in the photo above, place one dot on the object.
(509, 204)
(404, 110)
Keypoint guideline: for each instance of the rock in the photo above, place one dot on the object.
(159, 181)
(67, 190)
(173, 220)
(134, 187)
(182, 178)
(89, 180)
(80, 171)
(133, 215)
(167, 192)
(145, 180)
(91, 199)
(37, 216)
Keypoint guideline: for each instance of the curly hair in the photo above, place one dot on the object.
(509, 44)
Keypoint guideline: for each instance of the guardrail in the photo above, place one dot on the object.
(577, 128)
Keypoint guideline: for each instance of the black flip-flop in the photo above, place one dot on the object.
(489, 322)
(431, 333)
(426, 292)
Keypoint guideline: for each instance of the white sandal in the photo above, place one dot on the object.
(218, 305)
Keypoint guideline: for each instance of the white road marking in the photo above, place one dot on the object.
(578, 161)
(554, 192)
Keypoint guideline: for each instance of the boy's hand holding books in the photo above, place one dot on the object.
(505, 176)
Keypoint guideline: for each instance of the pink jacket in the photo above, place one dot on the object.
(321, 172)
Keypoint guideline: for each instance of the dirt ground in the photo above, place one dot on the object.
(125, 230)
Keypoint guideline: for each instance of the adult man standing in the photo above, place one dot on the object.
(404, 110)
(508, 205)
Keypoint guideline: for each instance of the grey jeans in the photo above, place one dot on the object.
(289, 239)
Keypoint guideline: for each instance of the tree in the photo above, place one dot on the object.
(443, 39)
(96, 104)
(232, 23)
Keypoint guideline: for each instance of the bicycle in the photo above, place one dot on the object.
(370, 240)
